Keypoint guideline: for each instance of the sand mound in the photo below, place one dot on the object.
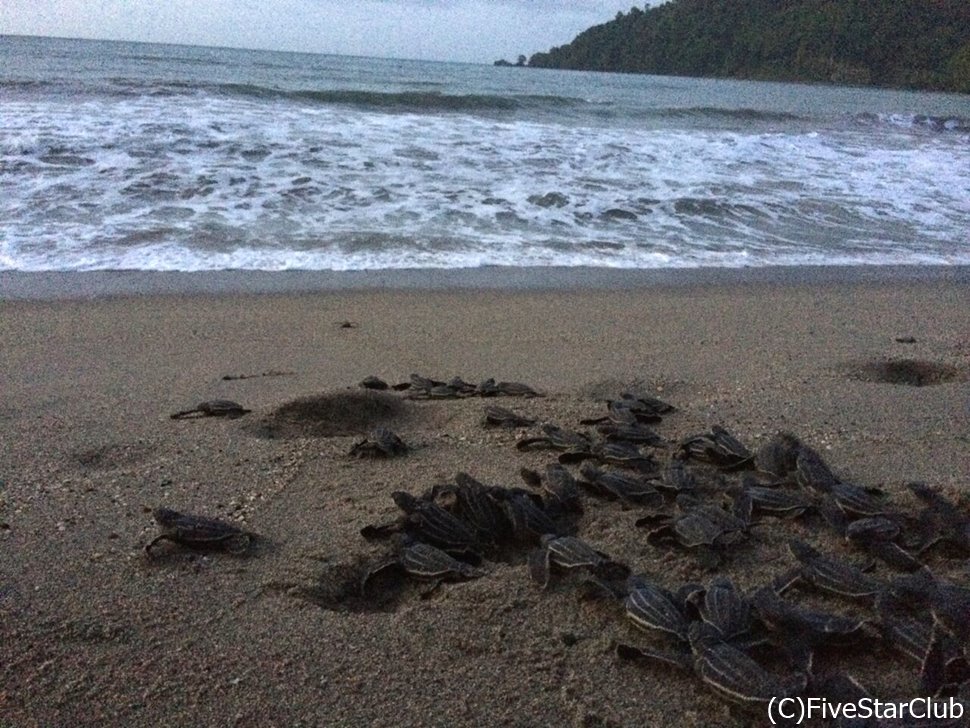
(333, 414)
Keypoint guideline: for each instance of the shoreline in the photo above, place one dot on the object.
(68, 285)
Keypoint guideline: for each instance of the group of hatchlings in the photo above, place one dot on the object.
(748, 647)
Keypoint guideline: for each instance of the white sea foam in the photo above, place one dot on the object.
(203, 180)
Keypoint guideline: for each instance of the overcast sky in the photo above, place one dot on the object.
(447, 30)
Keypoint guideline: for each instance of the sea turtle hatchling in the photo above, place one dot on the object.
(634, 432)
(718, 447)
(877, 536)
(426, 519)
(475, 504)
(516, 389)
(213, 408)
(629, 489)
(832, 575)
(620, 453)
(426, 562)
(807, 627)
(779, 501)
(373, 382)
(702, 528)
(733, 674)
(199, 532)
(380, 443)
(528, 518)
(557, 438)
(558, 485)
(723, 607)
(944, 521)
(949, 603)
(811, 471)
(500, 416)
(652, 607)
(778, 456)
(569, 552)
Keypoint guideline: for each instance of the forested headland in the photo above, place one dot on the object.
(920, 44)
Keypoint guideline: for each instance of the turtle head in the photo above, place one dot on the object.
(165, 516)
(405, 501)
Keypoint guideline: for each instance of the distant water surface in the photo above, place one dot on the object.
(124, 156)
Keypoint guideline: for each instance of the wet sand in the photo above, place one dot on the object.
(93, 633)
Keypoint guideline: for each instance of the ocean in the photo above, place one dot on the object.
(143, 157)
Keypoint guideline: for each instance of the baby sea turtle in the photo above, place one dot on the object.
(652, 607)
(644, 408)
(373, 382)
(779, 502)
(949, 603)
(702, 528)
(557, 438)
(677, 478)
(733, 674)
(433, 523)
(634, 432)
(527, 517)
(516, 389)
(622, 454)
(629, 489)
(199, 532)
(723, 607)
(569, 552)
(856, 501)
(877, 536)
(718, 447)
(380, 443)
(944, 521)
(495, 415)
(907, 631)
(213, 408)
(925, 640)
(476, 505)
(778, 456)
(629, 410)
(559, 488)
(811, 471)
(806, 626)
(422, 561)
(831, 574)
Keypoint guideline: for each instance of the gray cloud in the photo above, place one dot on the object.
(458, 30)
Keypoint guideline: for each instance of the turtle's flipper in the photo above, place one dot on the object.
(382, 530)
(529, 442)
(539, 566)
(379, 569)
(239, 543)
(932, 676)
(630, 652)
(163, 537)
(430, 591)
(185, 414)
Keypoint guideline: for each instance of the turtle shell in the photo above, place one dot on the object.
(733, 674)
(832, 575)
(199, 531)
(427, 562)
(651, 607)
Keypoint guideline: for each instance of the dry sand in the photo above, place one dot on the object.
(93, 633)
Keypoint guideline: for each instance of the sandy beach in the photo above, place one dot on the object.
(95, 633)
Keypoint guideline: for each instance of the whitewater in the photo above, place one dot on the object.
(123, 156)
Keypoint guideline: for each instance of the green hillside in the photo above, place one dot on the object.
(921, 44)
